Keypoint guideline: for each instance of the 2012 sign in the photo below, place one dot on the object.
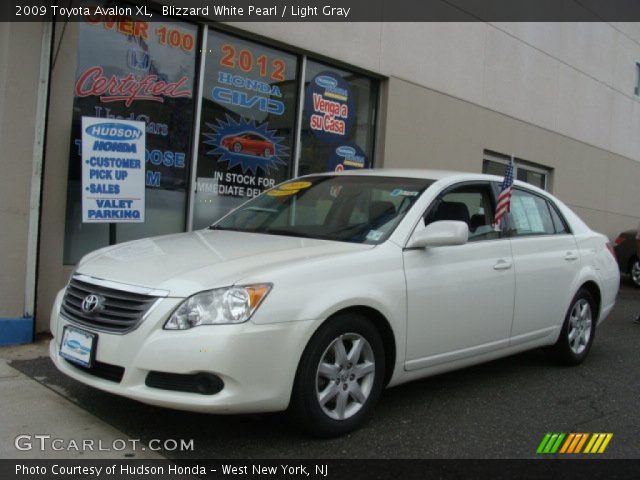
(245, 61)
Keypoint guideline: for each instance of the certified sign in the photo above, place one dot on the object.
(113, 170)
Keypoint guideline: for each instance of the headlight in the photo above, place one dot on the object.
(218, 307)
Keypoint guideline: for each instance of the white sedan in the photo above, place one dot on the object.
(322, 291)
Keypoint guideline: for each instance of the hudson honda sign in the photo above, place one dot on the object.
(113, 170)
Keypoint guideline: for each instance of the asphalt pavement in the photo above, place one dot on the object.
(500, 409)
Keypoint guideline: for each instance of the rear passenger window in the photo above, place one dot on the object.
(530, 214)
(559, 225)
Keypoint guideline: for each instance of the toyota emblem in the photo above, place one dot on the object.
(90, 303)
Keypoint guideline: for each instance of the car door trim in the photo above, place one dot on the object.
(448, 357)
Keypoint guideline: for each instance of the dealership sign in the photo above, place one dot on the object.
(347, 157)
(330, 103)
(129, 88)
(246, 128)
(113, 170)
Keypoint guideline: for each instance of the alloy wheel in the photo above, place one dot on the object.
(345, 376)
(580, 326)
(635, 272)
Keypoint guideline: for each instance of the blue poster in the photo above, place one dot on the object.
(329, 101)
(347, 157)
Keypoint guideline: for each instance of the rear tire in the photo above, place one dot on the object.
(634, 271)
(340, 376)
(578, 330)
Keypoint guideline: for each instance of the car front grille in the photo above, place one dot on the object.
(118, 311)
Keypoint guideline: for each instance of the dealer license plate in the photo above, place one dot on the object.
(78, 346)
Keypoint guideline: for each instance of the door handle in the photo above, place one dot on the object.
(570, 256)
(502, 265)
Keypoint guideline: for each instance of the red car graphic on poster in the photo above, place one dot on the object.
(248, 143)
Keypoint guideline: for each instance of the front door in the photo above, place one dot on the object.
(460, 298)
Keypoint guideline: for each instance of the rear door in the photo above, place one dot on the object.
(460, 298)
(546, 262)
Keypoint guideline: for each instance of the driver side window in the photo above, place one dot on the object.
(472, 204)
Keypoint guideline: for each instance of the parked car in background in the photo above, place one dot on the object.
(249, 144)
(322, 291)
(627, 255)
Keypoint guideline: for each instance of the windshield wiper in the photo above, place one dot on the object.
(218, 227)
(260, 209)
(284, 231)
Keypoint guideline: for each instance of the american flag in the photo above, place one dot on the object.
(504, 199)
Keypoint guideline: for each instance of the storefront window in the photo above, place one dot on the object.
(338, 121)
(248, 105)
(247, 124)
(113, 58)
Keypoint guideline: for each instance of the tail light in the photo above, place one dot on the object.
(610, 248)
(619, 240)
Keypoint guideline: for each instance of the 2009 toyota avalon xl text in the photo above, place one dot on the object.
(323, 290)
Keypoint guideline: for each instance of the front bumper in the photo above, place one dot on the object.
(257, 363)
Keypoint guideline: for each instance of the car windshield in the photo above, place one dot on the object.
(358, 209)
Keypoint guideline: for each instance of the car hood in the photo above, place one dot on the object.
(186, 263)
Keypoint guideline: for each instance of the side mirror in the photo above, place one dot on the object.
(440, 234)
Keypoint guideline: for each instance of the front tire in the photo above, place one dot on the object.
(340, 376)
(578, 330)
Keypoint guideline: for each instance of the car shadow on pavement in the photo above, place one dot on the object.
(499, 409)
(403, 411)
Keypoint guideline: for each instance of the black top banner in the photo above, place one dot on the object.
(331, 10)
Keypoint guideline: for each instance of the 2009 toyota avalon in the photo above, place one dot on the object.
(322, 291)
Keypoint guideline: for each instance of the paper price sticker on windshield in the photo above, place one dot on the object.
(281, 193)
(295, 185)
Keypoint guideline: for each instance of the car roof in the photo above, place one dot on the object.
(448, 176)
(429, 174)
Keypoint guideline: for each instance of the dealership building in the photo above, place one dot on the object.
(230, 109)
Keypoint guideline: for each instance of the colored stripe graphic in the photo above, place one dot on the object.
(550, 443)
(543, 443)
(581, 442)
(598, 443)
(568, 442)
(573, 443)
